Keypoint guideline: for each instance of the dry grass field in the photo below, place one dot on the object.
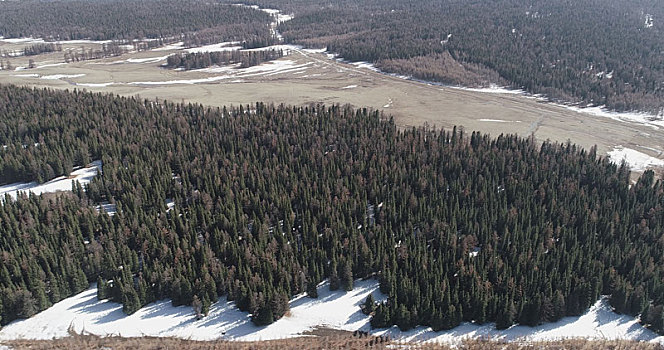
(329, 342)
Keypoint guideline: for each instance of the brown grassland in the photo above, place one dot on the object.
(336, 341)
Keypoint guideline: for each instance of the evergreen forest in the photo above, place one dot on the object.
(194, 22)
(597, 52)
(260, 202)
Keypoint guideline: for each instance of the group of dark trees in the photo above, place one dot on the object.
(83, 54)
(195, 22)
(40, 48)
(597, 52)
(197, 60)
(270, 201)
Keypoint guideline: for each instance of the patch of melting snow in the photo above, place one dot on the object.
(62, 183)
(499, 121)
(653, 121)
(365, 65)
(637, 161)
(225, 46)
(61, 76)
(475, 252)
(23, 40)
(286, 48)
(323, 50)
(84, 41)
(389, 103)
(175, 46)
(108, 208)
(265, 69)
(338, 310)
(492, 89)
(94, 84)
(600, 322)
(146, 60)
(649, 21)
(349, 87)
(51, 65)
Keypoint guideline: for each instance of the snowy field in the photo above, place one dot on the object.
(62, 183)
(600, 322)
(339, 310)
(637, 161)
(336, 310)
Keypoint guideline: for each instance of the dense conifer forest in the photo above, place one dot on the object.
(600, 52)
(195, 22)
(268, 201)
(244, 59)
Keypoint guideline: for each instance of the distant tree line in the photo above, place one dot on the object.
(83, 54)
(588, 52)
(199, 60)
(200, 22)
(271, 200)
(37, 49)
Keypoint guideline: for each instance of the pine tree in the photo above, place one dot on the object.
(369, 305)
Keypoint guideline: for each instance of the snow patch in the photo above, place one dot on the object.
(108, 208)
(653, 121)
(94, 84)
(649, 21)
(51, 65)
(338, 310)
(23, 40)
(175, 46)
(499, 121)
(637, 161)
(62, 183)
(349, 87)
(600, 322)
(225, 46)
(61, 76)
(475, 252)
(265, 69)
(366, 65)
(492, 89)
(146, 60)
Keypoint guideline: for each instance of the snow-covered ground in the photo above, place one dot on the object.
(499, 120)
(492, 89)
(225, 46)
(600, 322)
(108, 208)
(51, 76)
(61, 76)
(637, 161)
(175, 46)
(653, 121)
(62, 183)
(337, 310)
